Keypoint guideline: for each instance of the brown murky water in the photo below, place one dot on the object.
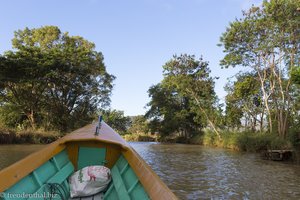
(12, 153)
(195, 172)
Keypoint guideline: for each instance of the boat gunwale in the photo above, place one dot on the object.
(154, 186)
(151, 182)
(22, 168)
(13, 173)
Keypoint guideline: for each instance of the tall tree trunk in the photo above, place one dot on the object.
(261, 121)
(204, 112)
(31, 118)
(254, 124)
(266, 75)
(262, 78)
(208, 119)
(284, 98)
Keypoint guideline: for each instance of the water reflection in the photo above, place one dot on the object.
(10, 154)
(195, 172)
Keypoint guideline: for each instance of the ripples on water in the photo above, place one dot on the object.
(195, 172)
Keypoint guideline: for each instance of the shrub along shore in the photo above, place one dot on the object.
(11, 136)
(237, 141)
(246, 141)
(240, 141)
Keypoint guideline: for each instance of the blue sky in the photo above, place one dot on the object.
(136, 36)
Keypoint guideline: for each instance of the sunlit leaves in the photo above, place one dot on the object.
(51, 74)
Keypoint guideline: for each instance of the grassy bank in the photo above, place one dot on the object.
(139, 138)
(240, 141)
(11, 136)
(245, 141)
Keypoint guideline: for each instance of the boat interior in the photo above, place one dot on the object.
(56, 162)
(75, 156)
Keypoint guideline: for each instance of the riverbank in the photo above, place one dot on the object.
(252, 142)
(11, 136)
(240, 141)
(140, 138)
(245, 141)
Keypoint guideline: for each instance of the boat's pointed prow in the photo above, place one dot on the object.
(132, 178)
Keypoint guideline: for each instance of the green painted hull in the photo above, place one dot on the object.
(125, 184)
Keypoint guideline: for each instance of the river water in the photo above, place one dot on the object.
(196, 172)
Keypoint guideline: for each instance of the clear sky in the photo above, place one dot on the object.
(136, 36)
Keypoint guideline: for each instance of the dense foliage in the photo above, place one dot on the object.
(52, 80)
(184, 102)
(139, 125)
(264, 97)
(267, 42)
(116, 120)
(243, 101)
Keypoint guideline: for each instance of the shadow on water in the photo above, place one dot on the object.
(196, 172)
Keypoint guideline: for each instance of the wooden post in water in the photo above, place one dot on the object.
(277, 155)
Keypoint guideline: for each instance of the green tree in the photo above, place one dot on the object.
(139, 124)
(191, 79)
(295, 75)
(244, 100)
(170, 112)
(165, 110)
(295, 113)
(116, 120)
(57, 81)
(267, 39)
(22, 85)
(185, 99)
(233, 113)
